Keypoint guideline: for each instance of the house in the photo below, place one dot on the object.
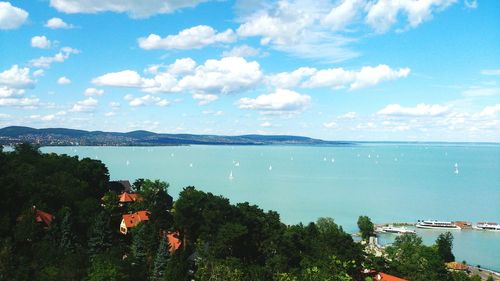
(42, 217)
(173, 241)
(126, 197)
(120, 186)
(132, 220)
(380, 276)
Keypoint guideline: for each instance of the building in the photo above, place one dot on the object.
(457, 266)
(120, 186)
(126, 197)
(132, 220)
(173, 241)
(381, 276)
(43, 217)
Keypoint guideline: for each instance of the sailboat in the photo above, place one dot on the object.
(127, 163)
(324, 158)
(333, 160)
(190, 165)
(231, 177)
(237, 164)
(270, 168)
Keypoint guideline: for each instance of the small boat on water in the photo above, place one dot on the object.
(396, 230)
(491, 226)
(231, 177)
(434, 224)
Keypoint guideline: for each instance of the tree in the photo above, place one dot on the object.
(105, 268)
(101, 236)
(67, 237)
(160, 262)
(366, 227)
(444, 245)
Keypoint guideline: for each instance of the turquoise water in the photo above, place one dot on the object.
(388, 182)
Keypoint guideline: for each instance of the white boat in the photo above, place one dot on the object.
(237, 164)
(491, 226)
(127, 163)
(270, 168)
(434, 224)
(231, 177)
(190, 165)
(396, 230)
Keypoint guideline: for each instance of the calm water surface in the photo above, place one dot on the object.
(388, 182)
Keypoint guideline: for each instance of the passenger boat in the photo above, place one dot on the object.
(396, 230)
(434, 224)
(492, 226)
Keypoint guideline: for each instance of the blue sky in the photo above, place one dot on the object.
(424, 70)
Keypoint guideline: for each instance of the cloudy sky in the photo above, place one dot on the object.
(426, 70)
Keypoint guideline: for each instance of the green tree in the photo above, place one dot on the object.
(160, 262)
(139, 245)
(105, 268)
(101, 236)
(67, 242)
(444, 244)
(366, 227)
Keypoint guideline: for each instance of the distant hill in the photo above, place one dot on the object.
(62, 136)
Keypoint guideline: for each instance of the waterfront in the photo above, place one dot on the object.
(388, 182)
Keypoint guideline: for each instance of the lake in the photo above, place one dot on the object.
(386, 181)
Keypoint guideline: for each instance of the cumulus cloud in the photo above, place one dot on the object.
(337, 78)
(125, 78)
(86, 105)
(57, 23)
(241, 51)
(204, 99)
(348, 116)
(343, 14)
(11, 17)
(279, 102)
(38, 72)
(192, 38)
(490, 111)
(61, 56)
(40, 42)
(490, 72)
(146, 100)
(16, 77)
(90, 92)
(330, 125)
(383, 14)
(28, 103)
(182, 66)
(420, 110)
(134, 8)
(481, 91)
(63, 80)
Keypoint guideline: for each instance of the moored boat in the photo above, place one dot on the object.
(434, 224)
(396, 230)
(491, 226)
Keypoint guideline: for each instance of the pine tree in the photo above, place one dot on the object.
(160, 262)
(100, 235)
(67, 237)
(139, 247)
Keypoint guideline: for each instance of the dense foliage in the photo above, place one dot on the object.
(220, 241)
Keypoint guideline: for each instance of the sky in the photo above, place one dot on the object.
(407, 70)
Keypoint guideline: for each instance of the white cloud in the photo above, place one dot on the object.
(109, 114)
(281, 101)
(86, 105)
(213, 112)
(182, 66)
(125, 78)
(490, 111)
(6, 92)
(337, 78)
(90, 92)
(192, 38)
(136, 9)
(266, 124)
(20, 102)
(46, 118)
(481, 92)
(224, 76)
(146, 100)
(57, 23)
(343, 14)
(5, 116)
(11, 17)
(63, 80)
(16, 77)
(490, 72)
(471, 4)
(383, 14)
(241, 51)
(348, 116)
(330, 125)
(204, 99)
(114, 104)
(61, 56)
(290, 79)
(40, 42)
(420, 110)
(38, 72)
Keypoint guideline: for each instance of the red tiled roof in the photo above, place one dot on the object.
(387, 277)
(129, 197)
(132, 220)
(457, 266)
(41, 216)
(174, 241)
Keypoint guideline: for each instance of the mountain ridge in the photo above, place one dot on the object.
(64, 136)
